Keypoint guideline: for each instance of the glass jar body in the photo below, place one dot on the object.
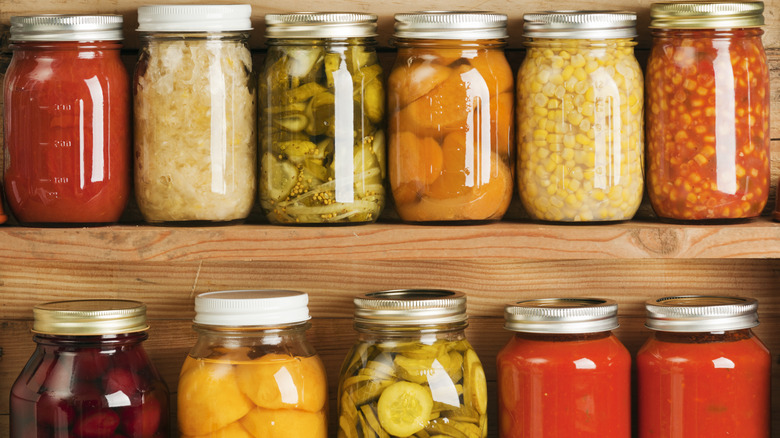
(89, 386)
(451, 153)
(580, 130)
(564, 385)
(437, 372)
(322, 131)
(269, 382)
(67, 132)
(195, 128)
(703, 384)
(708, 124)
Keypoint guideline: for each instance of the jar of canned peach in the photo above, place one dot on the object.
(450, 97)
(579, 114)
(252, 371)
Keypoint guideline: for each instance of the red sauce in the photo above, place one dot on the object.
(564, 386)
(67, 132)
(703, 385)
(708, 124)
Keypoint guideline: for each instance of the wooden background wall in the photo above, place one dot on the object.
(494, 264)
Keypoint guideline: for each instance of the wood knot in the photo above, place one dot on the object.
(661, 241)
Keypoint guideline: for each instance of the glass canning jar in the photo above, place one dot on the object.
(195, 125)
(89, 375)
(580, 117)
(252, 372)
(67, 120)
(412, 371)
(707, 111)
(450, 100)
(703, 372)
(563, 373)
(322, 120)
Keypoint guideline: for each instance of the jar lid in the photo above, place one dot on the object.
(580, 24)
(706, 15)
(194, 18)
(561, 315)
(701, 313)
(320, 25)
(451, 25)
(89, 317)
(411, 307)
(250, 308)
(66, 28)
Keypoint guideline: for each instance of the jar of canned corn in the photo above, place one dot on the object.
(580, 117)
(412, 372)
(708, 111)
(450, 100)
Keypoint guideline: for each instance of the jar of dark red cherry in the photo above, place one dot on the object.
(707, 111)
(703, 372)
(89, 375)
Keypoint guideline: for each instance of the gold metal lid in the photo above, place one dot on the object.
(320, 25)
(89, 317)
(411, 307)
(706, 15)
(580, 24)
(451, 25)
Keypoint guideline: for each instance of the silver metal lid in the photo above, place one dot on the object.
(561, 315)
(194, 18)
(251, 308)
(320, 25)
(451, 25)
(89, 317)
(66, 28)
(411, 307)
(706, 15)
(580, 24)
(701, 313)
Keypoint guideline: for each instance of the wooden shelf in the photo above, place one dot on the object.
(501, 240)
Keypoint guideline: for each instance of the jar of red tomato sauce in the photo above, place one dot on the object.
(563, 373)
(707, 111)
(451, 100)
(67, 120)
(703, 372)
(89, 375)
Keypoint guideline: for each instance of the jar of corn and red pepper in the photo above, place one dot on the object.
(707, 111)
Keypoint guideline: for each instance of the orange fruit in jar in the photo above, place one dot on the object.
(283, 423)
(494, 68)
(277, 381)
(209, 398)
(409, 82)
(438, 55)
(502, 123)
(462, 152)
(413, 159)
(447, 107)
(232, 430)
(490, 200)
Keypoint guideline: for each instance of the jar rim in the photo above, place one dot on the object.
(66, 27)
(251, 307)
(411, 308)
(562, 315)
(89, 317)
(701, 313)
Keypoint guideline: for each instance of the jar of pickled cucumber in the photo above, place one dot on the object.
(322, 117)
(252, 372)
(450, 103)
(412, 371)
(580, 117)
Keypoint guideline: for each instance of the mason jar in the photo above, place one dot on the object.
(703, 372)
(412, 371)
(322, 120)
(194, 100)
(708, 108)
(451, 101)
(252, 371)
(580, 117)
(563, 373)
(67, 120)
(89, 375)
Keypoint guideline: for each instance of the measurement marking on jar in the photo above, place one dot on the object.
(61, 180)
(62, 143)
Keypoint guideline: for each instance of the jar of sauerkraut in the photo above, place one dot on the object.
(194, 96)
(322, 112)
(579, 114)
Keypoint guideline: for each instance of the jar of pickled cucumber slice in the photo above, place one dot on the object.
(322, 112)
(412, 372)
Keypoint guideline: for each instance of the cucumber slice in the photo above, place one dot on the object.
(404, 408)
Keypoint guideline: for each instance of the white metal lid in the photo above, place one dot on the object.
(249, 308)
(701, 313)
(89, 317)
(561, 315)
(412, 307)
(194, 18)
(320, 25)
(580, 24)
(451, 25)
(66, 28)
